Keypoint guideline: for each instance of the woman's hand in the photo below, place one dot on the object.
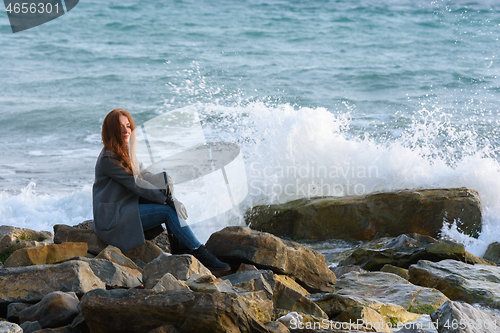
(180, 209)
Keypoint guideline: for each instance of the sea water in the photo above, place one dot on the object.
(323, 97)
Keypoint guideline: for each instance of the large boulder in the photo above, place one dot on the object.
(461, 317)
(115, 255)
(144, 310)
(266, 251)
(493, 253)
(361, 218)
(403, 251)
(54, 310)
(46, 254)
(459, 281)
(65, 233)
(390, 288)
(32, 283)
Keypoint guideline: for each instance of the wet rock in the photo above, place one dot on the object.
(180, 266)
(47, 254)
(464, 318)
(115, 255)
(65, 233)
(459, 281)
(395, 270)
(114, 275)
(253, 280)
(493, 253)
(266, 251)
(366, 317)
(403, 251)
(391, 289)
(54, 310)
(32, 283)
(361, 218)
(109, 311)
(209, 284)
(169, 283)
(7, 327)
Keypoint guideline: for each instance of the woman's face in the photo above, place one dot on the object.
(125, 128)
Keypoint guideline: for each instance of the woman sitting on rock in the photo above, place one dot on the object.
(125, 205)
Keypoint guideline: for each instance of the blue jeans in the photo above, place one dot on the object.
(156, 214)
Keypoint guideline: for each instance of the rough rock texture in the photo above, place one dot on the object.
(403, 251)
(169, 283)
(165, 329)
(65, 233)
(392, 289)
(305, 305)
(143, 310)
(114, 275)
(180, 266)
(7, 327)
(32, 283)
(361, 218)
(54, 310)
(367, 317)
(240, 244)
(209, 284)
(402, 272)
(287, 292)
(14, 238)
(258, 305)
(459, 281)
(458, 317)
(253, 281)
(46, 254)
(342, 270)
(14, 309)
(31, 326)
(114, 254)
(493, 253)
(276, 327)
(144, 254)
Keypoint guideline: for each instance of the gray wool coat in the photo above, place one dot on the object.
(115, 199)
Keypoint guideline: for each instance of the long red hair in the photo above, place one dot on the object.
(112, 138)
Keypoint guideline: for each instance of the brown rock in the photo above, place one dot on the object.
(258, 305)
(286, 292)
(267, 251)
(209, 284)
(169, 283)
(367, 317)
(32, 283)
(165, 329)
(276, 327)
(47, 254)
(395, 270)
(143, 310)
(54, 310)
(65, 233)
(253, 280)
(144, 254)
(114, 254)
(361, 218)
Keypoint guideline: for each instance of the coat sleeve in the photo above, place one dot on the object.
(140, 186)
(161, 180)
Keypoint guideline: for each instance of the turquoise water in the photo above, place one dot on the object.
(388, 94)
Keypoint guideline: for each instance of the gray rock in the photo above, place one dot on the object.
(169, 283)
(343, 270)
(30, 284)
(180, 266)
(253, 281)
(14, 309)
(459, 281)
(114, 275)
(459, 317)
(65, 233)
(31, 326)
(54, 310)
(493, 253)
(209, 284)
(6, 327)
(266, 251)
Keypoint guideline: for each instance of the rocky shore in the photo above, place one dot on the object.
(398, 280)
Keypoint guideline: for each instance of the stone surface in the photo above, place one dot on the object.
(460, 281)
(209, 284)
(493, 253)
(402, 272)
(31, 326)
(165, 329)
(342, 270)
(287, 292)
(305, 305)
(144, 254)
(114, 275)
(180, 266)
(391, 289)
(258, 304)
(361, 218)
(169, 283)
(113, 254)
(64, 329)
(403, 251)
(461, 317)
(32, 283)
(6, 327)
(14, 309)
(13, 238)
(253, 280)
(46, 254)
(56, 309)
(266, 251)
(65, 233)
(110, 311)
(365, 316)
(276, 327)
